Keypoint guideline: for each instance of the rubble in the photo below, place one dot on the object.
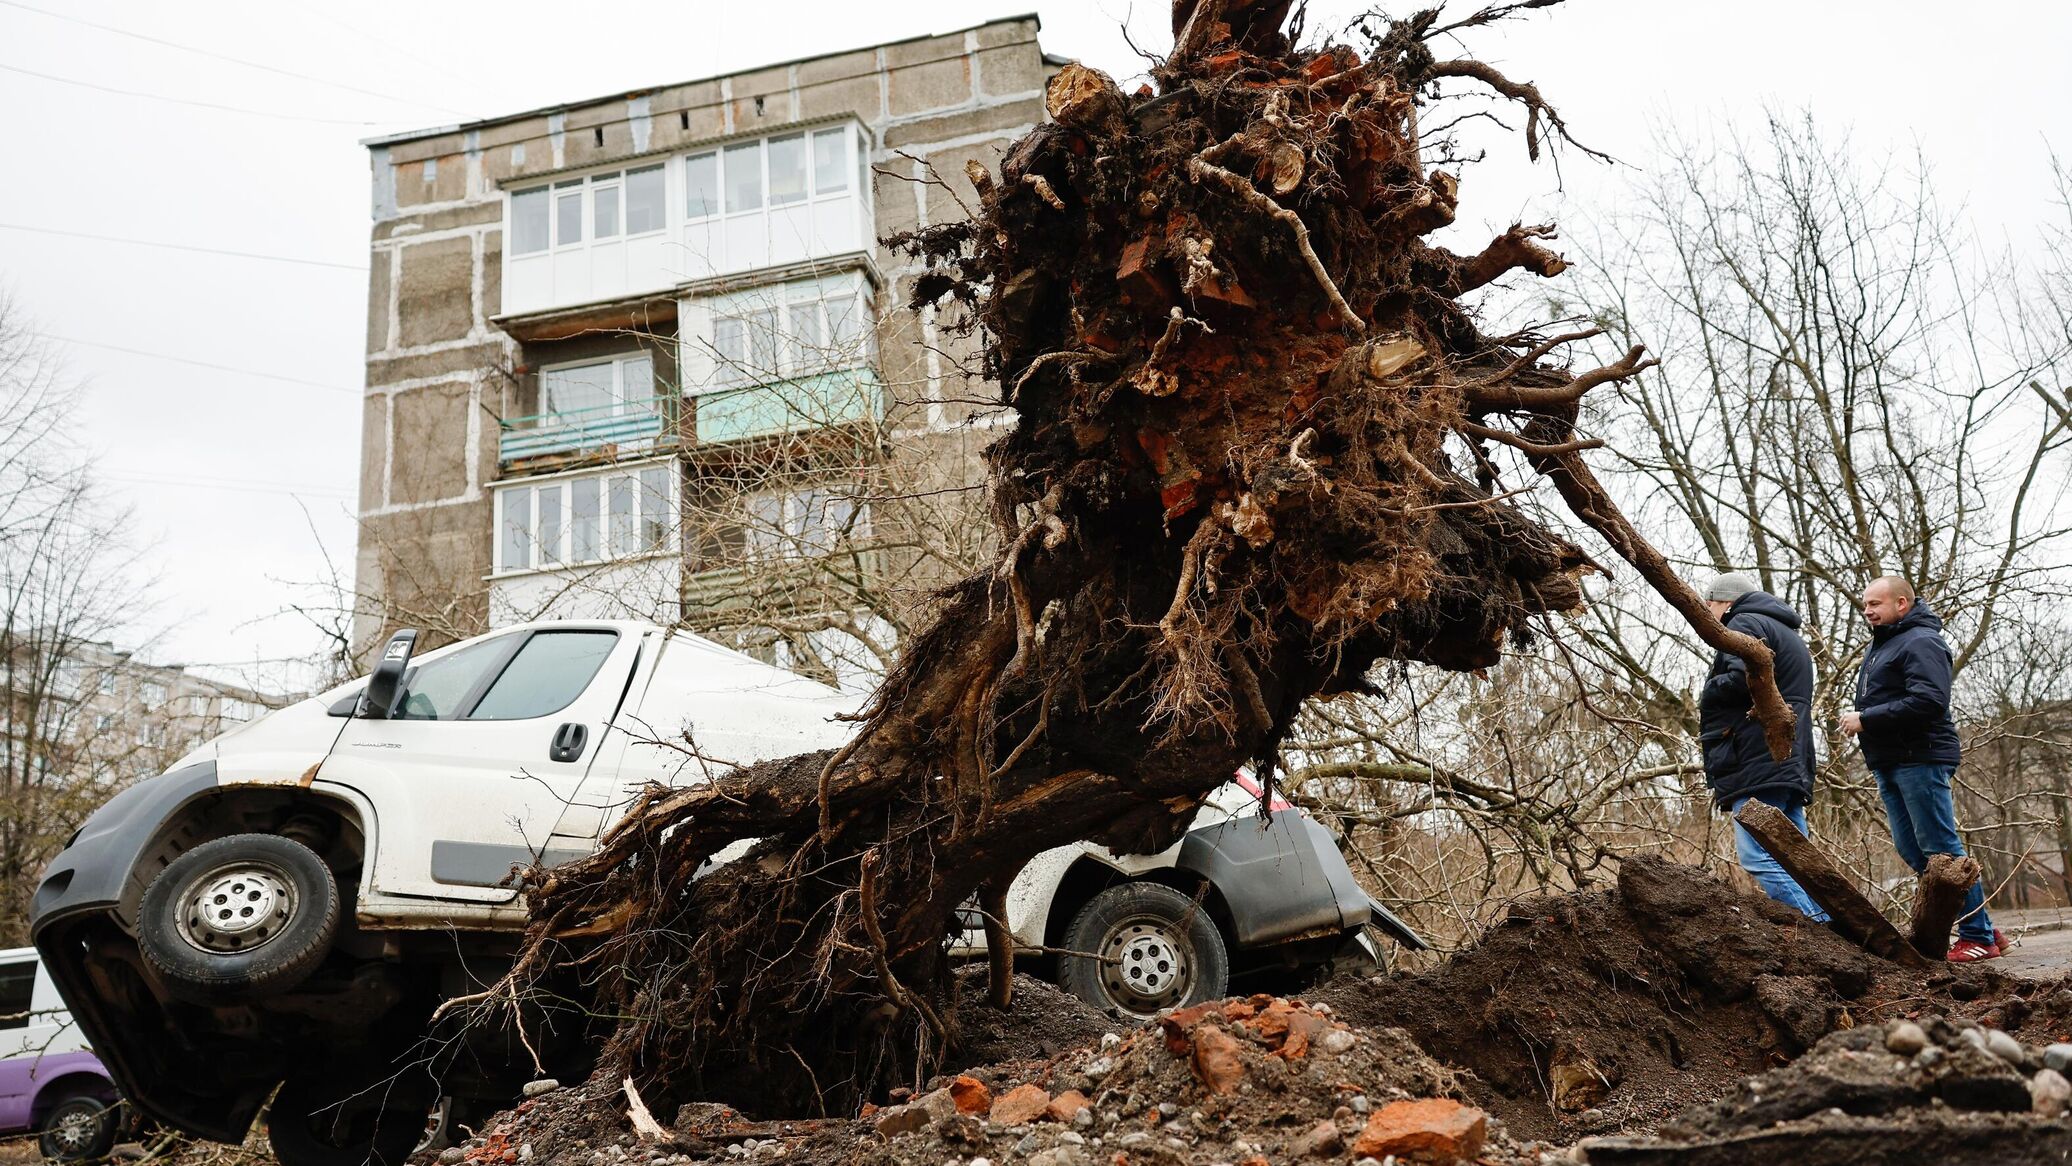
(1658, 1012)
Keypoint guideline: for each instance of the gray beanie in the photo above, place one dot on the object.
(1730, 586)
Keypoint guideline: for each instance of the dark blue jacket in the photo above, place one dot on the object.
(1903, 694)
(1737, 758)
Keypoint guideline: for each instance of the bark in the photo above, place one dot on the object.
(1239, 377)
(1850, 914)
(1938, 901)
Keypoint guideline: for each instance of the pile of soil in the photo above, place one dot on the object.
(1667, 1015)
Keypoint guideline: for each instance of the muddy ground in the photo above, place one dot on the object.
(1665, 1019)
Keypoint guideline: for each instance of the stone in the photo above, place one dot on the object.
(1059, 1156)
(1067, 1107)
(1336, 1041)
(2057, 1056)
(543, 1085)
(980, 1162)
(2004, 1046)
(1167, 1109)
(452, 1154)
(1100, 1067)
(1360, 1103)
(1905, 1038)
(1029, 1144)
(971, 1095)
(1109, 1042)
(1021, 1105)
(2050, 1095)
(915, 1115)
(1071, 1139)
(1431, 1129)
(1322, 1140)
(1217, 1060)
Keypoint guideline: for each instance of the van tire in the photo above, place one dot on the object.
(1171, 953)
(80, 1128)
(243, 916)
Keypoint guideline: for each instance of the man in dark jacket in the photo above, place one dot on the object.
(1902, 720)
(1738, 765)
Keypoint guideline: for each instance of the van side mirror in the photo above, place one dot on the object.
(385, 687)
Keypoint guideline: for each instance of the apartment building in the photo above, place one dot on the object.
(91, 711)
(645, 355)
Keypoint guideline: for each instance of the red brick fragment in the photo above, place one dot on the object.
(1217, 1060)
(1066, 1106)
(1430, 1130)
(971, 1095)
(1020, 1105)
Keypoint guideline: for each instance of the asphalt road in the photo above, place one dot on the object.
(2043, 955)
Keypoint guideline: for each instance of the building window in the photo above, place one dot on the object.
(793, 330)
(589, 519)
(768, 172)
(108, 683)
(152, 694)
(803, 523)
(598, 208)
(104, 722)
(600, 388)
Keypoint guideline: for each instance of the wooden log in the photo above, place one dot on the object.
(1938, 900)
(1849, 913)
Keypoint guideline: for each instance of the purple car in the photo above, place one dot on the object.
(49, 1082)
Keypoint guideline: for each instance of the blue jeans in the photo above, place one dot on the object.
(1764, 869)
(1923, 820)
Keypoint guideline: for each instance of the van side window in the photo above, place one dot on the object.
(546, 676)
(17, 989)
(435, 691)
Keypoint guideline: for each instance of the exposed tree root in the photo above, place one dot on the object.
(1240, 378)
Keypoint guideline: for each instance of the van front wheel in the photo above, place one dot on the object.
(248, 915)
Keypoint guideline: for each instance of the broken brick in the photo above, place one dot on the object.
(1066, 1106)
(1217, 1060)
(1430, 1130)
(1143, 284)
(1020, 1105)
(971, 1095)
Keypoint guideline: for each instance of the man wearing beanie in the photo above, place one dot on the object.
(1738, 765)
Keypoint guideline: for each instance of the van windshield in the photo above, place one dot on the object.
(436, 690)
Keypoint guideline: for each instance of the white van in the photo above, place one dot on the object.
(322, 878)
(50, 1084)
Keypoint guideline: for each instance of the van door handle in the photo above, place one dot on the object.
(568, 744)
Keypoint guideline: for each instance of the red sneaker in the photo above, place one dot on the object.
(1969, 950)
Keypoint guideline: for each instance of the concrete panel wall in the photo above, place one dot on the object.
(438, 369)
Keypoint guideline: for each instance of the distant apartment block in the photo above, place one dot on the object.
(627, 355)
(91, 710)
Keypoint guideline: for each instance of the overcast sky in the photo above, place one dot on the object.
(243, 483)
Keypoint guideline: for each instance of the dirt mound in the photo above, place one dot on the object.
(1938, 1091)
(1614, 1009)
(1043, 1021)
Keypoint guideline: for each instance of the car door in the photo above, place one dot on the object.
(486, 759)
(17, 1058)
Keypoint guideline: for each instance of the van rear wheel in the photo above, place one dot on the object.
(78, 1129)
(1155, 949)
(247, 915)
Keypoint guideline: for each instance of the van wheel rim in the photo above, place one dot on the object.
(236, 908)
(75, 1133)
(1144, 966)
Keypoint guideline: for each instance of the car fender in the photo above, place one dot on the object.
(1281, 877)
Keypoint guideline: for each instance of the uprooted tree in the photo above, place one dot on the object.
(1252, 458)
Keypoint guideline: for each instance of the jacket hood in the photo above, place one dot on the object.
(1764, 603)
(1920, 616)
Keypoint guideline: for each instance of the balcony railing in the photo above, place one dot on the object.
(842, 397)
(628, 428)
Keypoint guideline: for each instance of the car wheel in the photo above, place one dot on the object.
(342, 1121)
(78, 1129)
(247, 915)
(1155, 947)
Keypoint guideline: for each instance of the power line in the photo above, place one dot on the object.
(331, 121)
(250, 372)
(182, 246)
(233, 60)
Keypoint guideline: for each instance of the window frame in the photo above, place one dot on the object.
(622, 405)
(853, 151)
(743, 308)
(785, 543)
(563, 556)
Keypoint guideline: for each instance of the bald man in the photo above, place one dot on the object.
(1902, 720)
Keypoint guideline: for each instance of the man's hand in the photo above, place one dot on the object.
(1852, 722)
